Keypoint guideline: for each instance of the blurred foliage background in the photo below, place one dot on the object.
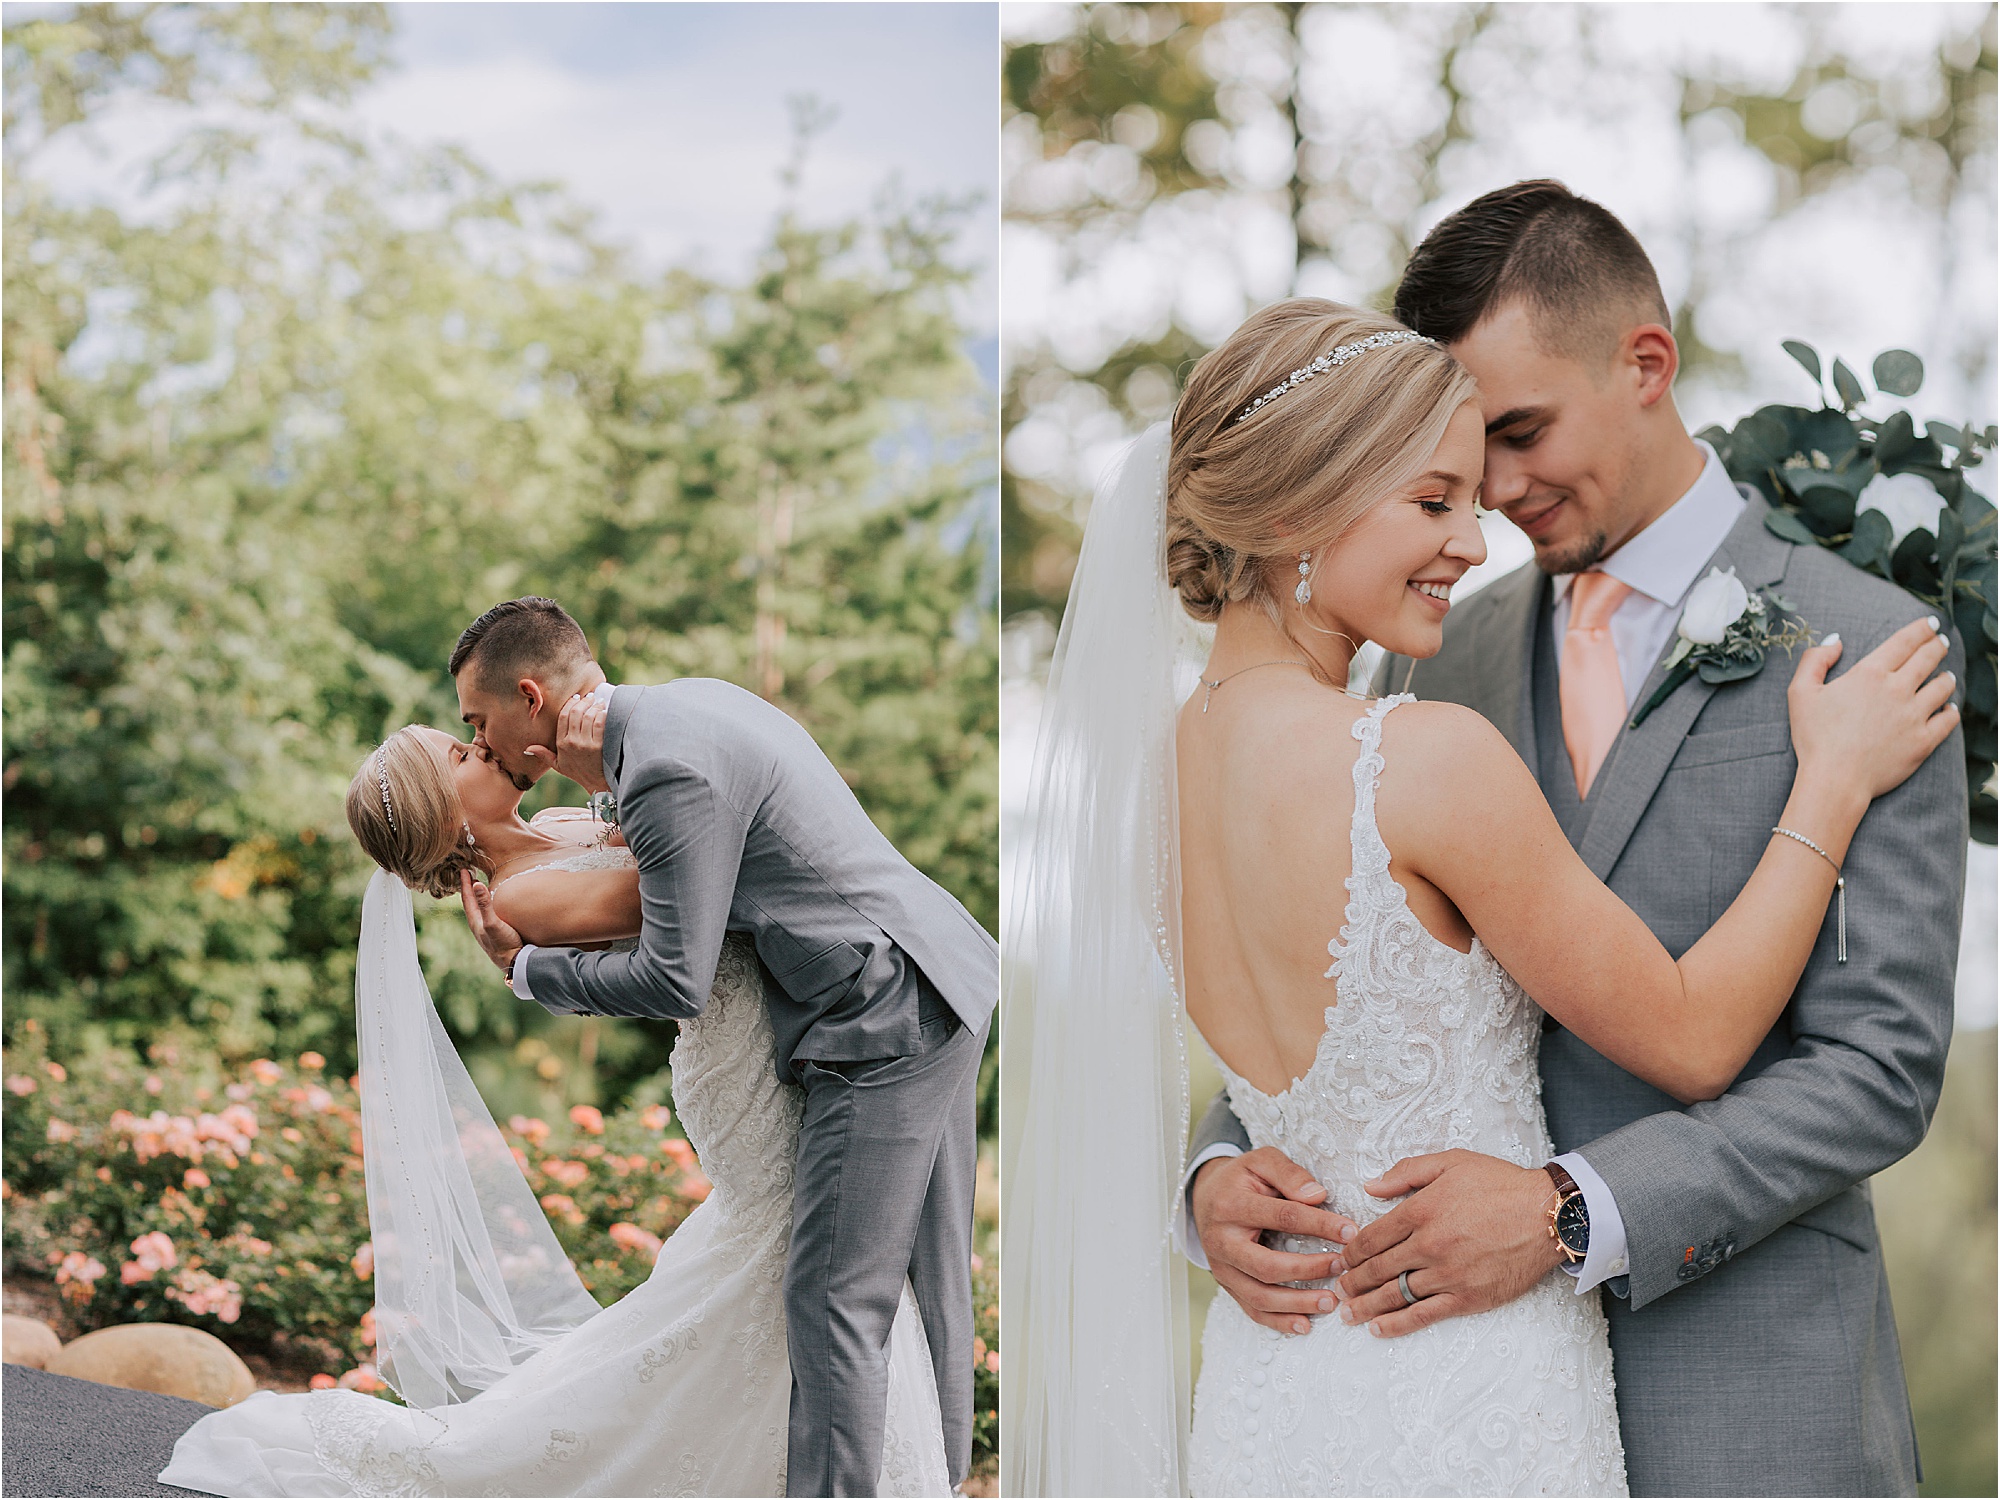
(275, 434)
(1823, 173)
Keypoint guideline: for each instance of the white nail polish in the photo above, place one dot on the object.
(1832, 639)
(1932, 622)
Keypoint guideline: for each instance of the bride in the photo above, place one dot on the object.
(517, 1383)
(1189, 827)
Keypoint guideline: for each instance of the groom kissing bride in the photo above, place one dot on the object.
(808, 1329)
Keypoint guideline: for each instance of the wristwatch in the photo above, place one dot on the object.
(1569, 1219)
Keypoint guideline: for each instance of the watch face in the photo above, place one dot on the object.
(1573, 1225)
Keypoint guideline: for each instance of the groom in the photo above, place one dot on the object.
(880, 987)
(1750, 1323)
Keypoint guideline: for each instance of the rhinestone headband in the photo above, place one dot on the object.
(382, 776)
(1332, 361)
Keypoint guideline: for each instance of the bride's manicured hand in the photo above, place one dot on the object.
(1235, 1199)
(1868, 729)
(499, 941)
(1473, 1233)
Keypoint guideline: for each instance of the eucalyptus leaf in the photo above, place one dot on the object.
(1829, 509)
(1950, 539)
(1979, 694)
(1869, 546)
(1760, 442)
(1847, 385)
(1824, 431)
(1898, 372)
(1732, 669)
(1914, 564)
(1785, 524)
(1897, 437)
(1946, 434)
(1806, 355)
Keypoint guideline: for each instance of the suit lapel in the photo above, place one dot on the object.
(623, 701)
(1639, 758)
(1499, 689)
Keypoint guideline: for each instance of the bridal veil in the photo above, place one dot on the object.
(1094, 1293)
(469, 1278)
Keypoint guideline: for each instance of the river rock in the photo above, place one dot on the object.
(27, 1341)
(162, 1357)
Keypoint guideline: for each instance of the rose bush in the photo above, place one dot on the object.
(985, 1366)
(166, 1190)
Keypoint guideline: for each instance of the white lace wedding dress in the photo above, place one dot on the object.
(1427, 1049)
(681, 1387)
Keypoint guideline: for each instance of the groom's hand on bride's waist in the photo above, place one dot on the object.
(1235, 1200)
(1473, 1233)
(496, 939)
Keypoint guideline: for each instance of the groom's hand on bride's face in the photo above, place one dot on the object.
(1235, 1199)
(579, 747)
(1473, 1232)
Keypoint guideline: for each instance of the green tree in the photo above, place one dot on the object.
(275, 435)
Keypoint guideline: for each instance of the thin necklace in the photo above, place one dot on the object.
(1286, 661)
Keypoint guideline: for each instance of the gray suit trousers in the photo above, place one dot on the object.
(887, 1158)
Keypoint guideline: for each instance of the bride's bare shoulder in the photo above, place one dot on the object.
(1450, 746)
(1451, 726)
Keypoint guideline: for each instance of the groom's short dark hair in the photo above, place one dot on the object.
(1579, 271)
(531, 637)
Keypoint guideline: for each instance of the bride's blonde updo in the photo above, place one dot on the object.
(419, 836)
(1245, 498)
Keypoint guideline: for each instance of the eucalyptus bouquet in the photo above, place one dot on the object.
(1894, 502)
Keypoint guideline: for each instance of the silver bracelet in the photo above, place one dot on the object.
(1839, 891)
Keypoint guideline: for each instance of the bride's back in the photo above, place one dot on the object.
(1266, 791)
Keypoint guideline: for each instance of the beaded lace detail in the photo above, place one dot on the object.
(1425, 1049)
(681, 1387)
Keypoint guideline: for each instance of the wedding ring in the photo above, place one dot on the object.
(1403, 1282)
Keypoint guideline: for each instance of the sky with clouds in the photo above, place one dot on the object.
(671, 120)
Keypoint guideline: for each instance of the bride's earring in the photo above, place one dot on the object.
(1304, 592)
(470, 841)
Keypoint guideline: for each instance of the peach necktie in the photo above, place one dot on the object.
(1591, 687)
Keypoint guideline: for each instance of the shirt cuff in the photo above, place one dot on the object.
(520, 984)
(1185, 1239)
(1607, 1257)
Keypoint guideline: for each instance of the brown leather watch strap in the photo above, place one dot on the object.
(1565, 1184)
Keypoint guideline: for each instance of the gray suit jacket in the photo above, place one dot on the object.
(741, 824)
(1773, 1366)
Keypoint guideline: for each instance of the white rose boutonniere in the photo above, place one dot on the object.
(604, 813)
(1725, 633)
(1714, 604)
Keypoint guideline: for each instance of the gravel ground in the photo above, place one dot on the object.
(76, 1437)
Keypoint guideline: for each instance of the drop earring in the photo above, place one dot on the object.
(1304, 592)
